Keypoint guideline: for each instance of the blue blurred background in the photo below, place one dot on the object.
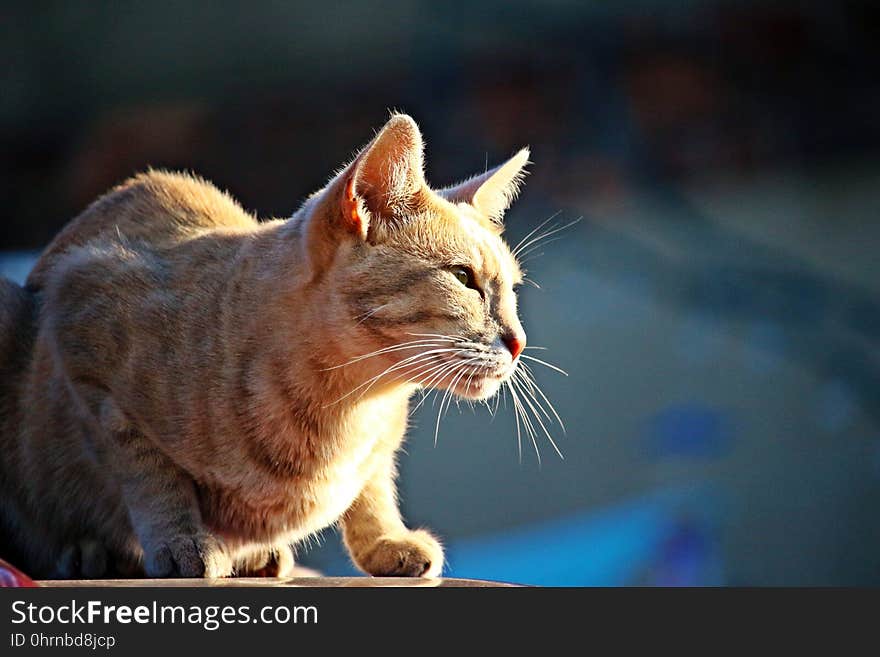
(717, 308)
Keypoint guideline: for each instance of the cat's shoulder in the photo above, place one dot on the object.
(183, 198)
(158, 208)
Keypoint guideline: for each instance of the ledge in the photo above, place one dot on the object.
(314, 582)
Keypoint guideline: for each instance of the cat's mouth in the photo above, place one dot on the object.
(479, 387)
(468, 370)
(477, 382)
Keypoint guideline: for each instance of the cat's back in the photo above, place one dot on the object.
(157, 208)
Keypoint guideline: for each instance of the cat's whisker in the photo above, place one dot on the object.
(410, 362)
(553, 230)
(530, 375)
(534, 230)
(469, 364)
(526, 422)
(440, 378)
(440, 413)
(531, 257)
(470, 380)
(434, 373)
(425, 394)
(431, 377)
(425, 382)
(532, 432)
(365, 316)
(530, 403)
(519, 251)
(449, 338)
(417, 368)
(528, 386)
(537, 348)
(516, 417)
(452, 385)
(400, 344)
(532, 242)
(394, 367)
(447, 395)
(544, 363)
(537, 415)
(412, 344)
(536, 246)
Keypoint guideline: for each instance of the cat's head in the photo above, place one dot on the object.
(418, 283)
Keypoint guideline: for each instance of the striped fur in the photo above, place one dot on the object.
(173, 397)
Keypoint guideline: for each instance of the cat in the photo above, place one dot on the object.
(187, 391)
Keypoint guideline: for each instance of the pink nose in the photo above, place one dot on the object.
(515, 344)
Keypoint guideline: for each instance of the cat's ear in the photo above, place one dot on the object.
(387, 176)
(492, 192)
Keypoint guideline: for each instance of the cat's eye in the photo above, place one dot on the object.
(465, 276)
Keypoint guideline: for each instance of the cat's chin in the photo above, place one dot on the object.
(478, 389)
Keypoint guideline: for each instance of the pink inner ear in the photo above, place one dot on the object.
(350, 207)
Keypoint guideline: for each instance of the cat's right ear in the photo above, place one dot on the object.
(384, 180)
(365, 200)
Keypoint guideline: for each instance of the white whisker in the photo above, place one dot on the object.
(412, 344)
(429, 379)
(521, 248)
(537, 245)
(531, 257)
(526, 422)
(412, 360)
(529, 387)
(365, 316)
(537, 415)
(449, 393)
(515, 417)
(449, 338)
(545, 364)
(534, 230)
(531, 377)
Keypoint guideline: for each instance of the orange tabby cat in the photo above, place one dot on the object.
(187, 391)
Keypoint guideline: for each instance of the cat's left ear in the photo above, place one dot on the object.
(492, 192)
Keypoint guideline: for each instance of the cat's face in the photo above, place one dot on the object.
(442, 287)
(424, 281)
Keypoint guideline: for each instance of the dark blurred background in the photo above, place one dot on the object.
(717, 308)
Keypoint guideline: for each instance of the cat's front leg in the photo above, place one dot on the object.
(411, 553)
(378, 541)
(164, 511)
(273, 561)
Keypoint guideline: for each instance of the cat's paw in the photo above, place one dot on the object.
(276, 561)
(413, 554)
(86, 559)
(188, 556)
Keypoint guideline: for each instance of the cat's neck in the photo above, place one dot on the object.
(305, 356)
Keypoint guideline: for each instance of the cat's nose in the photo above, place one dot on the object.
(515, 343)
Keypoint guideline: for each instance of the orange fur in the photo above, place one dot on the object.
(185, 390)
